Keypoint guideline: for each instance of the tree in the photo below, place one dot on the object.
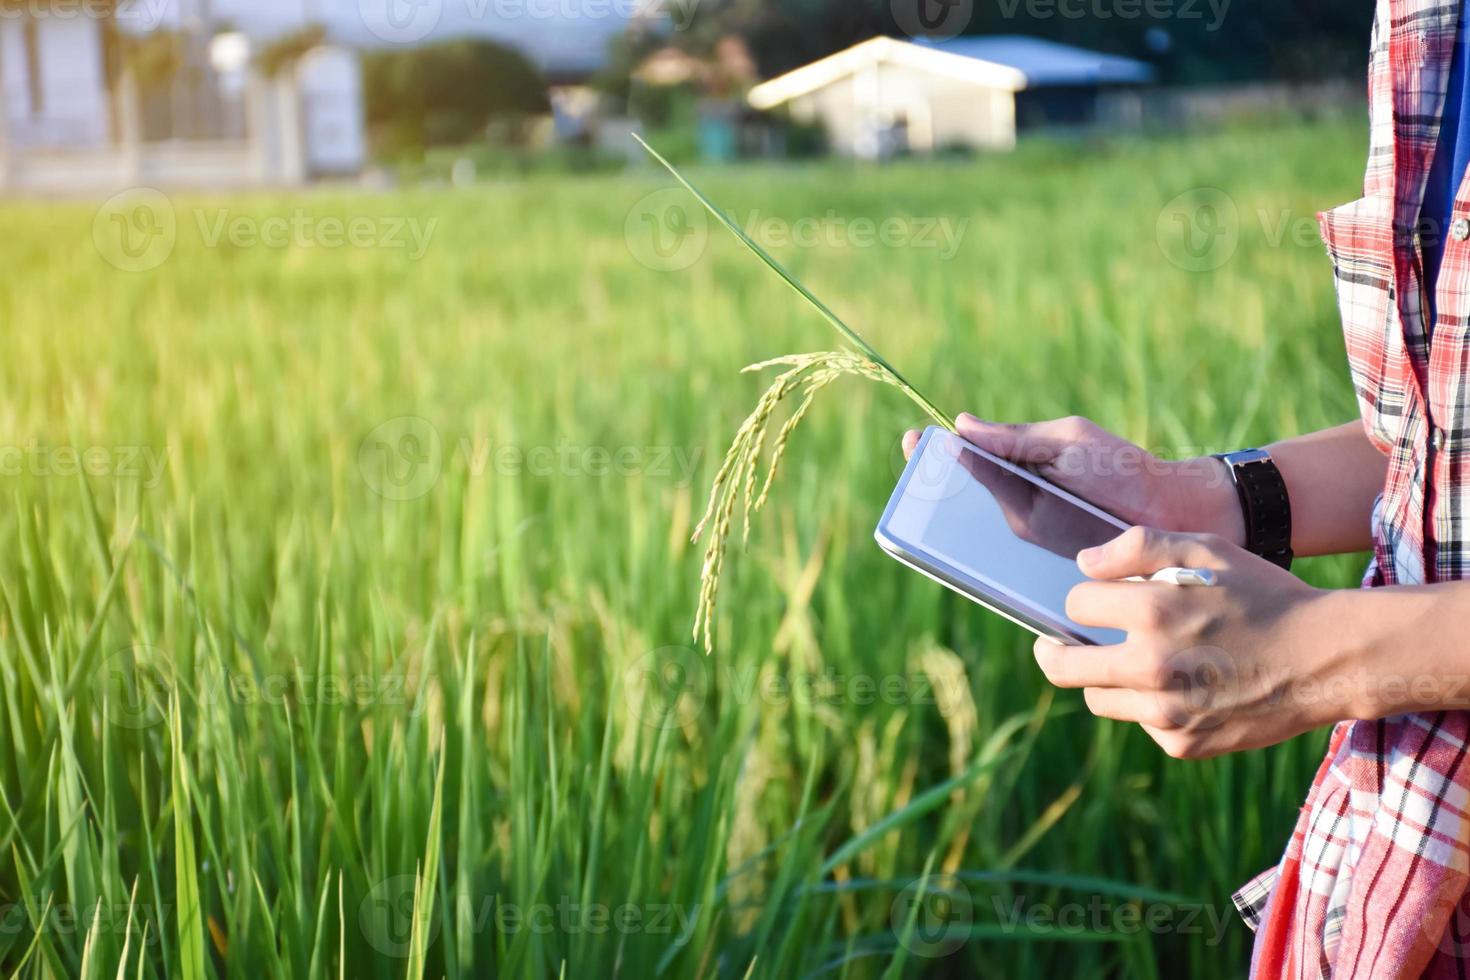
(449, 93)
(1189, 40)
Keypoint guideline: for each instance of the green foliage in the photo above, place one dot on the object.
(448, 93)
(400, 684)
(283, 52)
(155, 58)
(1210, 40)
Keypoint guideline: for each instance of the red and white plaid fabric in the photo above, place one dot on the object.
(1374, 880)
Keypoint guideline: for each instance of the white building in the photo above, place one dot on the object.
(885, 96)
(53, 82)
(73, 119)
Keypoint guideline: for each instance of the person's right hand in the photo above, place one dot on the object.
(1111, 473)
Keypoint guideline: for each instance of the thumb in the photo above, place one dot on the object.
(1144, 550)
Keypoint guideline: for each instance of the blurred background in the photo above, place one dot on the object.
(364, 382)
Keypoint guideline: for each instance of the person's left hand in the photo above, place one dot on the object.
(1205, 671)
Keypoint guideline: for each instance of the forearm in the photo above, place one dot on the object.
(1332, 477)
(1390, 650)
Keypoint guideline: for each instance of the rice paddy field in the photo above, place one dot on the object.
(346, 586)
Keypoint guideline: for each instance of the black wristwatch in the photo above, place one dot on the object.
(1263, 502)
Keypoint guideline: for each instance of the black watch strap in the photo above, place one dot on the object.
(1264, 504)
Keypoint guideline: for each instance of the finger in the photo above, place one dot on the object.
(1080, 667)
(1144, 550)
(1037, 443)
(1121, 704)
(910, 441)
(1126, 606)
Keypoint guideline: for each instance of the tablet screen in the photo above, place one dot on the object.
(1016, 537)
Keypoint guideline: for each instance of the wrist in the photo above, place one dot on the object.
(1202, 499)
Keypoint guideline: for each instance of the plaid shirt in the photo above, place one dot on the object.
(1374, 880)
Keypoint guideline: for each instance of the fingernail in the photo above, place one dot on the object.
(967, 419)
(1091, 556)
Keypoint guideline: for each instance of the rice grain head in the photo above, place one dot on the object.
(738, 480)
(808, 373)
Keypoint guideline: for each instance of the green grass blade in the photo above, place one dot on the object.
(186, 873)
(426, 886)
(926, 801)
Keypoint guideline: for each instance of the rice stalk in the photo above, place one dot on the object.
(849, 334)
(809, 372)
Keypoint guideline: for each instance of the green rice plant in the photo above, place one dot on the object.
(400, 715)
(808, 372)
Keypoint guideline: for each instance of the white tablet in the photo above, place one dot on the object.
(995, 533)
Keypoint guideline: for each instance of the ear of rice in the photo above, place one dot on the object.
(738, 478)
(808, 374)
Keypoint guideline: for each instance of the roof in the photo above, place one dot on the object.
(1047, 62)
(1006, 62)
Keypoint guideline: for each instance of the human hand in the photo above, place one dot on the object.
(1204, 671)
(1111, 473)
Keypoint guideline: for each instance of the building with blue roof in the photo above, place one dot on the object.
(887, 96)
